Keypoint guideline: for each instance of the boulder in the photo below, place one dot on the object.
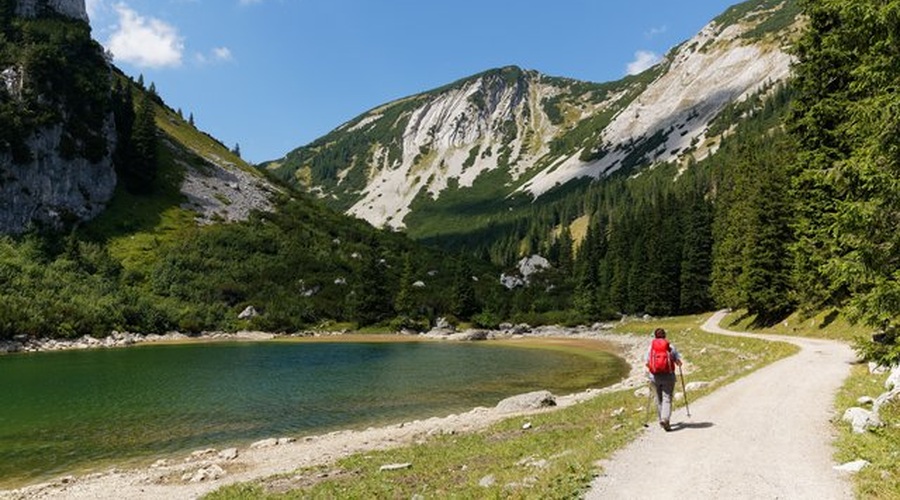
(528, 401)
(265, 443)
(885, 398)
(443, 324)
(893, 380)
(248, 312)
(861, 419)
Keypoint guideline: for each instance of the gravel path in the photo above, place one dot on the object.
(766, 435)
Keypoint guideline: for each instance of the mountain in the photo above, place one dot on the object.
(512, 133)
(117, 214)
(63, 132)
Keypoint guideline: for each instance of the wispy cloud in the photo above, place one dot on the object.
(145, 42)
(643, 60)
(216, 55)
(655, 31)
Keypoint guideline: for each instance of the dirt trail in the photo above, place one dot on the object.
(766, 435)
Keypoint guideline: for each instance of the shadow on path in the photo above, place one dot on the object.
(680, 426)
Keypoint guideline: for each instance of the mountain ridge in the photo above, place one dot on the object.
(539, 131)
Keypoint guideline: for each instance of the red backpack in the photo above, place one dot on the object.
(660, 359)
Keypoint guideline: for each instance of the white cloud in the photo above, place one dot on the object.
(216, 55)
(145, 42)
(643, 60)
(222, 54)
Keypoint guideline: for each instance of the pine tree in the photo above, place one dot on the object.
(140, 173)
(696, 262)
(404, 302)
(463, 301)
(587, 287)
(371, 301)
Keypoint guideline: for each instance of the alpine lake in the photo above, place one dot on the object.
(89, 410)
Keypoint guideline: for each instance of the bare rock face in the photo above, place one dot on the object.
(50, 190)
(75, 9)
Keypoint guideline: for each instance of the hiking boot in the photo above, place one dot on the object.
(665, 425)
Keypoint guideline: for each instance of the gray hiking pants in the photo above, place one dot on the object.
(664, 383)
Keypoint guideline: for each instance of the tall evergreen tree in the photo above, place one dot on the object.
(140, 172)
(587, 288)
(848, 125)
(404, 302)
(463, 301)
(371, 301)
(696, 262)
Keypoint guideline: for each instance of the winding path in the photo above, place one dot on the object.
(765, 436)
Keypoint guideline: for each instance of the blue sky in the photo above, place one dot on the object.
(272, 75)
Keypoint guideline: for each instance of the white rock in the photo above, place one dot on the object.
(694, 386)
(893, 380)
(861, 419)
(854, 466)
(248, 312)
(265, 443)
(228, 454)
(393, 467)
(528, 401)
(487, 481)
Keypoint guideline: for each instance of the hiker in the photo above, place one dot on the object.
(661, 360)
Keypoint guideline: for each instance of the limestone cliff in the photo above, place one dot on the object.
(57, 140)
(51, 191)
(75, 9)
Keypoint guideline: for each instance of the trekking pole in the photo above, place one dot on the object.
(647, 413)
(684, 390)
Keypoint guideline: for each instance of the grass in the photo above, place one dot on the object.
(553, 457)
(830, 324)
(880, 447)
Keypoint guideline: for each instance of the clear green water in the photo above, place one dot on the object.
(65, 411)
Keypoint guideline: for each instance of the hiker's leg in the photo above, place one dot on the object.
(658, 389)
(667, 387)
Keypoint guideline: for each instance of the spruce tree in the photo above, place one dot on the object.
(849, 132)
(463, 301)
(140, 172)
(696, 262)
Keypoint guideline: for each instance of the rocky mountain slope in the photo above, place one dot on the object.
(511, 131)
(58, 135)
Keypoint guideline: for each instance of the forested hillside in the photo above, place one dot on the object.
(794, 208)
(161, 257)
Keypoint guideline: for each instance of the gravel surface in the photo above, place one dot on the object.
(766, 435)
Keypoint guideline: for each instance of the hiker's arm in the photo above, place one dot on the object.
(675, 355)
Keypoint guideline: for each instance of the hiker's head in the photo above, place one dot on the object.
(659, 333)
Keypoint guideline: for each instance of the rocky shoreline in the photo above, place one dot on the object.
(28, 344)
